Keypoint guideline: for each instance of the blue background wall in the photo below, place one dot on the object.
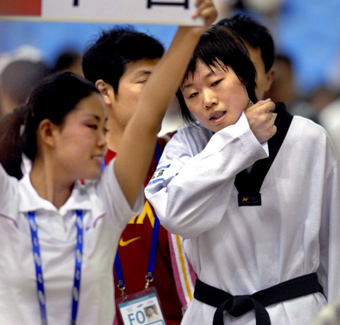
(306, 30)
(52, 37)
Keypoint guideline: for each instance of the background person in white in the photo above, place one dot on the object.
(244, 249)
(65, 138)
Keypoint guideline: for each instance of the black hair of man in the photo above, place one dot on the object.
(109, 55)
(253, 33)
(280, 57)
(66, 59)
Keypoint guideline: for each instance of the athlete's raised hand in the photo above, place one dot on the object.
(261, 119)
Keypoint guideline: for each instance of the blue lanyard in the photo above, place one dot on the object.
(152, 256)
(38, 267)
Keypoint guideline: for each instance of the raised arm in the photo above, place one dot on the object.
(138, 142)
(196, 175)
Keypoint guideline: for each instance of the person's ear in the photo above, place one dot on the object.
(47, 131)
(106, 91)
(270, 77)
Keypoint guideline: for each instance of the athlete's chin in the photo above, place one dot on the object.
(220, 127)
(224, 125)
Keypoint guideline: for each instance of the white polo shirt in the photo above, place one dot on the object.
(106, 213)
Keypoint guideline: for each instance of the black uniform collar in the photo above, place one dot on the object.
(249, 185)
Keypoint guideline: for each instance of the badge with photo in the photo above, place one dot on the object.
(141, 308)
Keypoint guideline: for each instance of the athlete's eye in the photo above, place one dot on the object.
(216, 83)
(92, 126)
(193, 95)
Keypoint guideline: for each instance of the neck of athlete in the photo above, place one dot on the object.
(47, 180)
(115, 133)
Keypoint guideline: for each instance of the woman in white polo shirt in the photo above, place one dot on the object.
(58, 236)
(65, 144)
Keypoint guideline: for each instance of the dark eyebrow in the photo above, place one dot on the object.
(205, 77)
(143, 73)
(187, 86)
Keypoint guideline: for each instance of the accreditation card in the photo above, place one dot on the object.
(141, 308)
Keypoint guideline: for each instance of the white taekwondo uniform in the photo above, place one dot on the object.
(244, 249)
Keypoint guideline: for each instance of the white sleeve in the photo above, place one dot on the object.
(7, 187)
(114, 198)
(329, 269)
(190, 193)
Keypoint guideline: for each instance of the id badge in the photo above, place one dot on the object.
(141, 308)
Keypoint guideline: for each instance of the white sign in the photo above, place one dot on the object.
(167, 12)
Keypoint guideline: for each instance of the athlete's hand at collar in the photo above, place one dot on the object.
(261, 119)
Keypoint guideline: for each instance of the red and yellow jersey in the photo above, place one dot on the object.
(134, 250)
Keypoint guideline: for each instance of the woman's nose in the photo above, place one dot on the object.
(209, 98)
(102, 142)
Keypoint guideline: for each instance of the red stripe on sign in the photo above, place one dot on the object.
(20, 7)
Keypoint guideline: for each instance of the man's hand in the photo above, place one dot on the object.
(261, 119)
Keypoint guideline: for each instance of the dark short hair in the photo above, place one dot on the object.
(66, 59)
(254, 33)
(53, 98)
(220, 44)
(108, 56)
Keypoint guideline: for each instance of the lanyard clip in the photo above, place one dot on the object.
(149, 278)
(121, 287)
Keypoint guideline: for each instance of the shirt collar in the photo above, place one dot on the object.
(31, 201)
